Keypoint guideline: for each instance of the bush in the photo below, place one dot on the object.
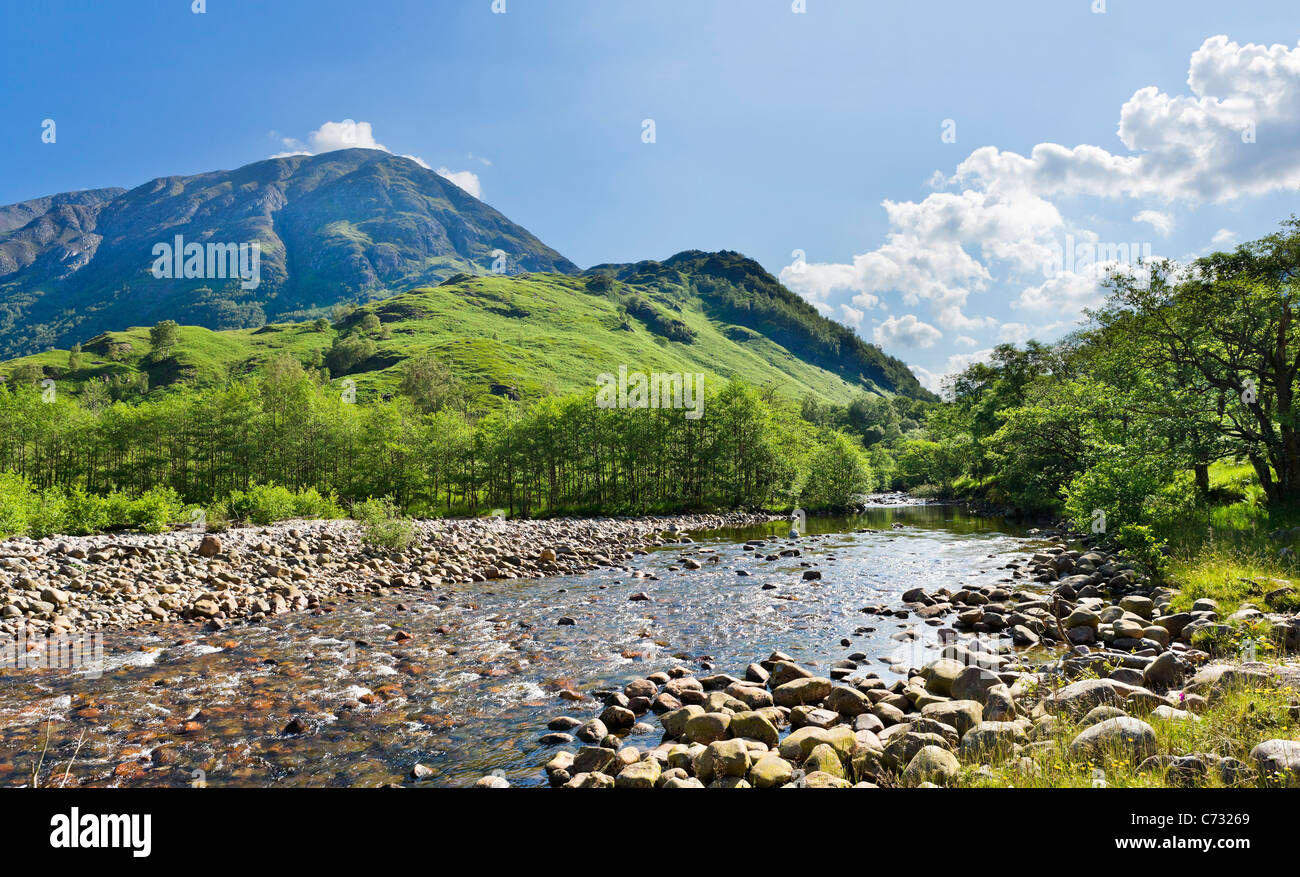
(310, 503)
(267, 503)
(156, 509)
(117, 508)
(348, 352)
(84, 513)
(382, 524)
(1125, 487)
(16, 504)
(1140, 545)
(261, 504)
(837, 473)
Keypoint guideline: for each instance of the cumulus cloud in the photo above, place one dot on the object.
(349, 134)
(1224, 238)
(907, 331)
(467, 180)
(958, 362)
(932, 381)
(1163, 223)
(852, 316)
(1231, 136)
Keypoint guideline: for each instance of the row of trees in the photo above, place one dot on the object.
(1184, 366)
(564, 453)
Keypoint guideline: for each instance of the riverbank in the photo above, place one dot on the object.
(1077, 671)
(61, 585)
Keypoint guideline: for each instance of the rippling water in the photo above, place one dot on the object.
(470, 690)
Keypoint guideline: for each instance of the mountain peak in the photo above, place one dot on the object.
(348, 225)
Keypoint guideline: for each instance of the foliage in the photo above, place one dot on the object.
(267, 503)
(162, 338)
(283, 444)
(837, 473)
(382, 524)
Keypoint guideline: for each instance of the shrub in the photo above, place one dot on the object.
(1123, 486)
(310, 503)
(1140, 545)
(382, 524)
(16, 504)
(84, 513)
(267, 503)
(156, 509)
(47, 513)
(117, 509)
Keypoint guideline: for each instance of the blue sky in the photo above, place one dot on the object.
(776, 131)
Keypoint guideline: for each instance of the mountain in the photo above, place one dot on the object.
(719, 314)
(350, 225)
(735, 290)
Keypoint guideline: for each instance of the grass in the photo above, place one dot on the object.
(1230, 576)
(1231, 726)
(535, 332)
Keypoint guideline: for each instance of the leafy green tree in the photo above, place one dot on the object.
(430, 385)
(347, 352)
(26, 374)
(837, 474)
(1231, 321)
(163, 337)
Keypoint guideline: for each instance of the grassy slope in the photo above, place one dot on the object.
(534, 332)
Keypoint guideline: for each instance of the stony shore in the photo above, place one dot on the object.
(63, 585)
(1071, 641)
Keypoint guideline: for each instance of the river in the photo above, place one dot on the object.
(464, 680)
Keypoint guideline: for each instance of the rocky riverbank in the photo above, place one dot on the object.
(63, 585)
(1072, 658)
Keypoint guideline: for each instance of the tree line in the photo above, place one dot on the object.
(1183, 367)
(288, 426)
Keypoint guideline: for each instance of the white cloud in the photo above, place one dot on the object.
(907, 331)
(966, 341)
(1019, 333)
(1231, 136)
(1224, 238)
(348, 134)
(958, 362)
(1163, 223)
(926, 256)
(467, 180)
(1065, 293)
(852, 316)
(930, 380)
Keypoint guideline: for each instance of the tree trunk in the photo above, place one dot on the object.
(1203, 478)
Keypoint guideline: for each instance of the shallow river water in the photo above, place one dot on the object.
(464, 679)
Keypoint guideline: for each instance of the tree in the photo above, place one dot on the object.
(430, 385)
(347, 352)
(837, 473)
(27, 373)
(74, 358)
(1231, 321)
(162, 338)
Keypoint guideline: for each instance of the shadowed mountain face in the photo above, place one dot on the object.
(351, 225)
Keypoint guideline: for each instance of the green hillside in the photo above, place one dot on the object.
(532, 333)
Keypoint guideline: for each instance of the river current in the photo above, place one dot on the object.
(463, 680)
